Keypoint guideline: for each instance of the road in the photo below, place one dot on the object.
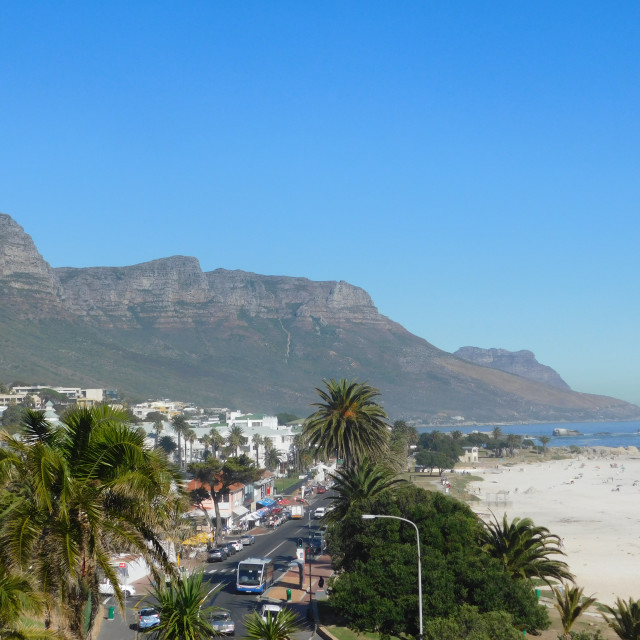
(279, 544)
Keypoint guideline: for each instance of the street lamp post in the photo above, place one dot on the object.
(370, 516)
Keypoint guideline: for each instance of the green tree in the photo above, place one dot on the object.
(368, 556)
(190, 437)
(217, 440)
(348, 423)
(155, 416)
(12, 417)
(282, 626)
(624, 619)
(545, 440)
(496, 433)
(257, 440)
(180, 605)
(77, 492)
(570, 605)
(167, 444)
(215, 478)
(356, 487)
(180, 426)
(435, 460)
(469, 624)
(525, 550)
(236, 438)
(158, 427)
(272, 459)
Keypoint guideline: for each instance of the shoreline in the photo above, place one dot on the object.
(590, 499)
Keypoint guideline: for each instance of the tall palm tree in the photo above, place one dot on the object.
(180, 426)
(236, 438)
(217, 440)
(282, 626)
(569, 606)
(525, 549)
(257, 440)
(272, 459)
(207, 442)
(157, 428)
(496, 433)
(80, 490)
(625, 619)
(180, 605)
(190, 437)
(348, 422)
(354, 486)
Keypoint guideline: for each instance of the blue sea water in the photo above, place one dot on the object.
(593, 434)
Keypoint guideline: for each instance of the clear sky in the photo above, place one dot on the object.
(473, 165)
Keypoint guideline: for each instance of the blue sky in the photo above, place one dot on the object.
(473, 166)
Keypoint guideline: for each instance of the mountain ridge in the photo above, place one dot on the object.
(165, 328)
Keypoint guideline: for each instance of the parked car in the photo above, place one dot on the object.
(237, 545)
(247, 540)
(217, 555)
(231, 550)
(322, 488)
(148, 618)
(270, 609)
(223, 623)
(106, 588)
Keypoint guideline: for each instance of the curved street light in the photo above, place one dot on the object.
(370, 516)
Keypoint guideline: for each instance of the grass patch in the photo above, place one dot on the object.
(284, 484)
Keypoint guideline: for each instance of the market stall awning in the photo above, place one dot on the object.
(240, 510)
(266, 501)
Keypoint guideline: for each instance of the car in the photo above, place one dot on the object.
(237, 544)
(322, 489)
(269, 609)
(319, 513)
(106, 588)
(247, 540)
(223, 623)
(148, 618)
(217, 555)
(231, 550)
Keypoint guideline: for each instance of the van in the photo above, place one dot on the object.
(106, 588)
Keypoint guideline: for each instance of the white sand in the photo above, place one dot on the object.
(592, 502)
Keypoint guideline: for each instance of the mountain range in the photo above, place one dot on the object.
(165, 328)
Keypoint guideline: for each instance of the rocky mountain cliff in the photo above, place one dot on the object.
(166, 329)
(521, 363)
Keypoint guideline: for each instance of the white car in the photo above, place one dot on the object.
(319, 513)
(270, 610)
(236, 544)
(106, 588)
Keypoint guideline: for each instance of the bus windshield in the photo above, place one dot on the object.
(249, 574)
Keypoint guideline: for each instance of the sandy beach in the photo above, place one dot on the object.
(591, 501)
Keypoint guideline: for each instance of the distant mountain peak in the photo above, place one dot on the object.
(521, 363)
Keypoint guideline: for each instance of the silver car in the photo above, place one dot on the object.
(247, 540)
(223, 623)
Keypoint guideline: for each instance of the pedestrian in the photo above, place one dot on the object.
(321, 583)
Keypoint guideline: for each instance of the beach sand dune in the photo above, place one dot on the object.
(591, 501)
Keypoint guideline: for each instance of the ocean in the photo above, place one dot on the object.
(593, 434)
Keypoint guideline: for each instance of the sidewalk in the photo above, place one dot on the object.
(320, 566)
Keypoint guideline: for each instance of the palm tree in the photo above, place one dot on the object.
(190, 437)
(568, 605)
(525, 549)
(496, 433)
(18, 599)
(236, 438)
(354, 486)
(625, 619)
(217, 440)
(545, 441)
(257, 441)
(180, 425)
(272, 459)
(79, 490)
(279, 627)
(168, 445)
(348, 422)
(157, 428)
(179, 604)
(207, 441)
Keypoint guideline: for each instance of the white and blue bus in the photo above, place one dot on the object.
(254, 575)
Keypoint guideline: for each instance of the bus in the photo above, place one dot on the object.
(254, 575)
